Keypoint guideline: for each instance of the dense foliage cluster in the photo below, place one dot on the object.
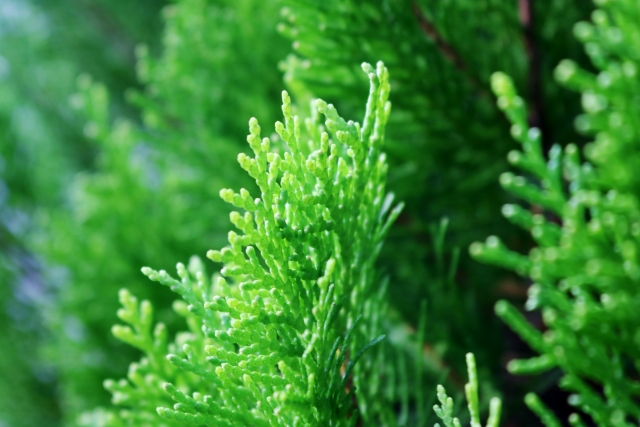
(345, 295)
(585, 266)
(279, 334)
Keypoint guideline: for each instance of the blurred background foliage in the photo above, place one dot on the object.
(121, 120)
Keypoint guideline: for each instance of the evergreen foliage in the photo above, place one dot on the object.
(309, 319)
(140, 167)
(43, 47)
(585, 264)
(447, 139)
(445, 410)
(278, 345)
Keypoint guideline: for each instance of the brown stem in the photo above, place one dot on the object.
(444, 47)
(536, 112)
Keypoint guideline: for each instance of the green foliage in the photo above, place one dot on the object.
(26, 386)
(282, 333)
(446, 139)
(445, 410)
(290, 332)
(138, 205)
(41, 148)
(330, 37)
(192, 100)
(441, 57)
(585, 265)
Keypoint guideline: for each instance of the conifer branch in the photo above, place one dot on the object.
(279, 340)
(586, 267)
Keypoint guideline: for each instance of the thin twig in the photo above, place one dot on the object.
(443, 46)
(536, 112)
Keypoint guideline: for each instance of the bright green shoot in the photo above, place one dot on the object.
(444, 411)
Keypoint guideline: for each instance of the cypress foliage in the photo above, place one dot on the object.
(585, 264)
(154, 171)
(43, 47)
(447, 139)
(279, 346)
(332, 303)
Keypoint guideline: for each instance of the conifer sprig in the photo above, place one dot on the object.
(444, 411)
(283, 325)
